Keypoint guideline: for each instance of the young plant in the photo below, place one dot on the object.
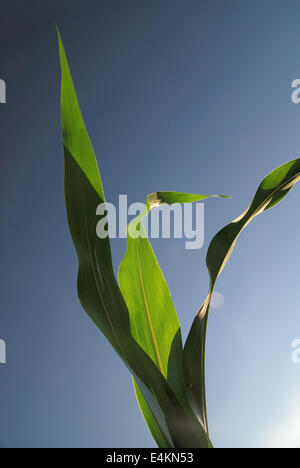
(136, 314)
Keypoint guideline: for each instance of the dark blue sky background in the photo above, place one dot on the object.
(187, 96)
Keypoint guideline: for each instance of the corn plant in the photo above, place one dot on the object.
(136, 313)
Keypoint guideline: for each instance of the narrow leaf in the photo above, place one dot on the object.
(98, 289)
(272, 190)
(150, 419)
(153, 319)
(154, 322)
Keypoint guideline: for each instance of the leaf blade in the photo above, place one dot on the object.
(154, 322)
(153, 427)
(98, 289)
(274, 187)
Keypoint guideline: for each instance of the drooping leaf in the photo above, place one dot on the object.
(270, 192)
(98, 289)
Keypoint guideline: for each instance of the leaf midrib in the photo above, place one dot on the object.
(154, 342)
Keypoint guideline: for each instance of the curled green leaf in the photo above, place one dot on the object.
(271, 191)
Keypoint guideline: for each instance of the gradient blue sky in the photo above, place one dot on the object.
(188, 96)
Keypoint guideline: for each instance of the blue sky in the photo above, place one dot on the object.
(187, 96)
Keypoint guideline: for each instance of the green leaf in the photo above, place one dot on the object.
(98, 289)
(154, 322)
(153, 319)
(272, 190)
(169, 198)
(150, 419)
